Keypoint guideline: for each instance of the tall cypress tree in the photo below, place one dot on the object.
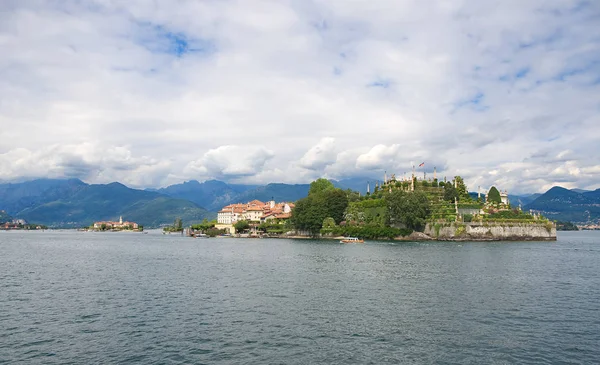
(494, 196)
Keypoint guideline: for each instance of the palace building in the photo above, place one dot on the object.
(254, 211)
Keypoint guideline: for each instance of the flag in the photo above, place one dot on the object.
(421, 164)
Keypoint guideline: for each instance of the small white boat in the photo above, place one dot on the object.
(351, 240)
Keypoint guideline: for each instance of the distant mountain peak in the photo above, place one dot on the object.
(113, 184)
(559, 203)
(558, 188)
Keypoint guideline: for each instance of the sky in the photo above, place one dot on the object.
(152, 93)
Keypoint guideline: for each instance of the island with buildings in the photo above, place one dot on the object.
(20, 224)
(8, 223)
(409, 208)
(113, 226)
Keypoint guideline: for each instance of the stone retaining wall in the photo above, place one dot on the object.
(476, 231)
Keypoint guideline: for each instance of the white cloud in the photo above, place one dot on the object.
(320, 155)
(467, 86)
(230, 162)
(379, 157)
(87, 161)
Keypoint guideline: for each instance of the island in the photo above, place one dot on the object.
(113, 226)
(408, 208)
(8, 223)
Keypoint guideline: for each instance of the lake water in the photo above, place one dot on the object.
(84, 298)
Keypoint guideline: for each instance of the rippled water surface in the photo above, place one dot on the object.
(77, 297)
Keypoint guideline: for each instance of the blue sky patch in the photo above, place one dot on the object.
(474, 103)
(549, 39)
(522, 73)
(382, 83)
(158, 39)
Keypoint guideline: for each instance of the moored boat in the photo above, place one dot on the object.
(351, 240)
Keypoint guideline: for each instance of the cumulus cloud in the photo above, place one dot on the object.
(379, 157)
(87, 161)
(231, 162)
(319, 156)
(468, 86)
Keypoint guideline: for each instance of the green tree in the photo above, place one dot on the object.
(309, 213)
(323, 201)
(450, 193)
(205, 225)
(461, 189)
(353, 196)
(178, 225)
(494, 196)
(241, 226)
(408, 208)
(319, 186)
(328, 223)
(336, 202)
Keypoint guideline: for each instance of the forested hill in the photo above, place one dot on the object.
(19, 196)
(568, 205)
(73, 203)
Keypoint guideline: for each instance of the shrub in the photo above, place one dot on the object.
(367, 231)
(510, 214)
(213, 232)
(460, 230)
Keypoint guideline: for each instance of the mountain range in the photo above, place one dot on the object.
(74, 203)
(214, 194)
(575, 205)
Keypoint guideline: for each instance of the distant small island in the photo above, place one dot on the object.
(112, 226)
(8, 223)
